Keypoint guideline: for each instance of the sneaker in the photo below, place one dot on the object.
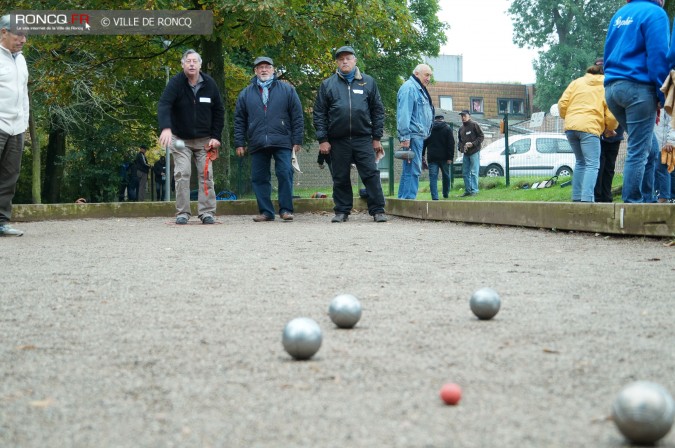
(340, 217)
(208, 219)
(467, 194)
(7, 230)
(380, 217)
(182, 220)
(262, 218)
(287, 216)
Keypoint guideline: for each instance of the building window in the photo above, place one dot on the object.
(476, 105)
(510, 106)
(445, 102)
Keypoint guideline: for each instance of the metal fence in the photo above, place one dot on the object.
(544, 153)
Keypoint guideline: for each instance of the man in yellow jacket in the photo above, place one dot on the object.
(587, 117)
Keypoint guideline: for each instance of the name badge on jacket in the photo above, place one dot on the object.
(204, 99)
(468, 132)
(359, 91)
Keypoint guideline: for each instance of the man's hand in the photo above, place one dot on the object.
(379, 150)
(213, 143)
(405, 144)
(324, 148)
(165, 137)
(241, 150)
(297, 148)
(469, 145)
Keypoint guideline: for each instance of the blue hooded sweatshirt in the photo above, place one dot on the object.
(637, 45)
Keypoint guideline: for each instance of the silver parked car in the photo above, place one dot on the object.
(542, 154)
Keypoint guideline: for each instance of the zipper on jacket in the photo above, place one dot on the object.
(349, 91)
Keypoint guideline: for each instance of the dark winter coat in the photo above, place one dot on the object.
(470, 132)
(191, 116)
(342, 110)
(280, 124)
(440, 145)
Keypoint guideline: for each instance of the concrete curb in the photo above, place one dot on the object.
(622, 219)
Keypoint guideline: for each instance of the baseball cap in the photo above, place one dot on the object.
(465, 112)
(344, 49)
(262, 59)
(439, 117)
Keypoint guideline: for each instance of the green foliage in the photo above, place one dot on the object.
(573, 32)
(103, 90)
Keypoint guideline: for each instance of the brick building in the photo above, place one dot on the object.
(484, 100)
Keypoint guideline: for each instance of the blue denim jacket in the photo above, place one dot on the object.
(414, 115)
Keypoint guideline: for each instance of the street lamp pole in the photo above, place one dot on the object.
(167, 156)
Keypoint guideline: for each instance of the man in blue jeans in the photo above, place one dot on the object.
(636, 63)
(414, 116)
(268, 115)
(470, 138)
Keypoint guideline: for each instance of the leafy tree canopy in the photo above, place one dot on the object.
(571, 33)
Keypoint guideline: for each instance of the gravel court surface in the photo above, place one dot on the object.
(140, 333)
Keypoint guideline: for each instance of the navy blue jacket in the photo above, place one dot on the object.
(280, 125)
(188, 116)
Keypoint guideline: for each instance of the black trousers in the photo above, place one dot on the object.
(603, 185)
(359, 151)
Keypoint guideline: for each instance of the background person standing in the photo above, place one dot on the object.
(440, 152)
(349, 123)
(268, 115)
(583, 107)
(414, 116)
(142, 169)
(469, 139)
(13, 119)
(636, 64)
(191, 110)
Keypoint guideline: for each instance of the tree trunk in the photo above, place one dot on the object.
(35, 149)
(56, 150)
(213, 64)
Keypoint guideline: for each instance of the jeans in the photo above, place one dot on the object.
(261, 178)
(470, 167)
(648, 180)
(634, 106)
(410, 176)
(586, 148)
(434, 167)
(663, 182)
(603, 186)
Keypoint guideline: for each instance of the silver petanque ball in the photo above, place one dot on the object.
(485, 303)
(643, 412)
(302, 338)
(179, 144)
(345, 310)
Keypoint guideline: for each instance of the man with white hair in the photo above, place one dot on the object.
(191, 110)
(13, 118)
(414, 117)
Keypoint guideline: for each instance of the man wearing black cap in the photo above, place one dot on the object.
(470, 138)
(191, 110)
(440, 152)
(349, 122)
(13, 118)
(268, 115)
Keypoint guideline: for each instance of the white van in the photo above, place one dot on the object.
(542, 154)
